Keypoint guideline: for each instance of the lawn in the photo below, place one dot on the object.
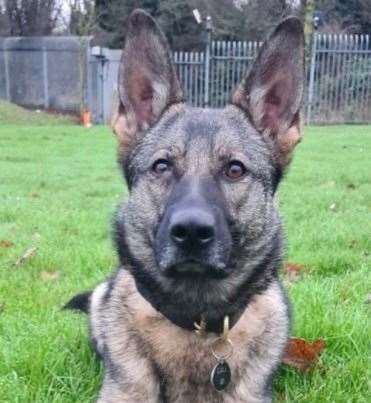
(13, 114)
(59, 186)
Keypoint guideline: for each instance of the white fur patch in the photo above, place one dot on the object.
(95, 314)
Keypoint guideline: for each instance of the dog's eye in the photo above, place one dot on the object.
(235, 169)
(160, 166)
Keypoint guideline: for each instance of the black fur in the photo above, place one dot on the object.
(79, 302)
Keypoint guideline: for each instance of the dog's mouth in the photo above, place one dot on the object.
(195, 268)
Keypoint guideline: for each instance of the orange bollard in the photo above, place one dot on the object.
(86, 119)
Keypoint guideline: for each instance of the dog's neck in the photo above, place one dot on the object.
(190, 322)
(183, 316)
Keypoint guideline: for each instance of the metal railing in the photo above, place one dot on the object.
(45, 73)
(226, 63)
(339, 88)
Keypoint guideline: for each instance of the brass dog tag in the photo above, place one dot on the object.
(220, 375)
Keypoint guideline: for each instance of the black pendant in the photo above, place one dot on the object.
(220, 376)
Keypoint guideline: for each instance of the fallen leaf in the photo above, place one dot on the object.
(352, 244)
(344, 295)
(34, 195)
(4, 243)
(328, 184)
(36, 236)
(50, 275)
(27, 255)
(292, 271)
(302, 354)
(280, 397)
(333, 207)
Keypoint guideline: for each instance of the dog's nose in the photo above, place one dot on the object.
(192, 228)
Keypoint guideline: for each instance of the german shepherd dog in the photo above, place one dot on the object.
(196, 312)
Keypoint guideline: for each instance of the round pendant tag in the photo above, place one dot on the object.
(220, 376)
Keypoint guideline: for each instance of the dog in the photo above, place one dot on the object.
(195, 311)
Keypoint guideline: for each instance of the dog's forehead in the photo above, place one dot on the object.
(201, 137)
(205, 128)
(198, 122)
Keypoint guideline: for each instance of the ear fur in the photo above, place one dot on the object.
(271, 94)
(147, 83)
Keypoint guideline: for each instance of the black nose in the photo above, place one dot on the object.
(192, 228)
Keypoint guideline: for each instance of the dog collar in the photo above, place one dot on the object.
(205, 326)
(201, 328)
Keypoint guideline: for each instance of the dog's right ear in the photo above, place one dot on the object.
(147, 83)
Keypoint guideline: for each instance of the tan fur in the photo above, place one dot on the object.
(125, 128)
(141, 339)
(286, 143)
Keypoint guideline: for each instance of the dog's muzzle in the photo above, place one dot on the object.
(192, 229)
(193, 236)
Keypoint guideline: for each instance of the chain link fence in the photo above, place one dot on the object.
(45, 72)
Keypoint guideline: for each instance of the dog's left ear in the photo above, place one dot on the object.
(147, 83)
(272, 92)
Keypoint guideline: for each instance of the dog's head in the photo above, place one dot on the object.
(200, 220)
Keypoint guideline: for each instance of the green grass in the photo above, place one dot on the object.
(11, 114)
(58, 188)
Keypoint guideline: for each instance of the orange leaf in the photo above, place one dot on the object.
(292, 267)
(302, 354)
(292, 271)
(4, 243)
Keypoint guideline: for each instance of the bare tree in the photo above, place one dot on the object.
(32, 17)
(82, 23)
(83, 20)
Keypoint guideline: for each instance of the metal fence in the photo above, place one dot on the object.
(228, 62)
(339, 87)
(47, 73)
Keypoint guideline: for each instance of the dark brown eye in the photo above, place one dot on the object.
(160, 166)
(235, 170)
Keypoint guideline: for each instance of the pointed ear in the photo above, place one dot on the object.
(272, 92)
(147, 82)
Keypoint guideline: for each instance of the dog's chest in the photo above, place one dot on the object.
(181, 362)
(185, 371)
(184, 361)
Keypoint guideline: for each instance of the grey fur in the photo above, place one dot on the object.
(139, 318)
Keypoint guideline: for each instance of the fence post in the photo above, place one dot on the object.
(6, 65)
(311, 78)
(45, 78)
(207, 61)
(88, 76)
(101, 90)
